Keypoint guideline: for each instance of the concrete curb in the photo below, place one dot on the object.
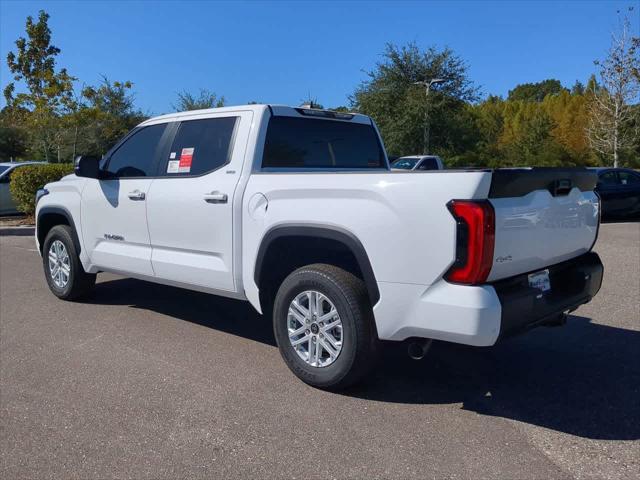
(21, 231)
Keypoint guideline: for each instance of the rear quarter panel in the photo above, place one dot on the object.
(400, 218)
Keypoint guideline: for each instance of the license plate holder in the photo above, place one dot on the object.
(540, 280)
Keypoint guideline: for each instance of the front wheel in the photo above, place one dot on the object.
(62, 268)
(323, 324)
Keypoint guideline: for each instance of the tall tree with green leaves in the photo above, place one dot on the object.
(614, 123)
(48, 91)
(14, 140)
(204, 99)
(399, 106)
(108, 115)
(535, 92)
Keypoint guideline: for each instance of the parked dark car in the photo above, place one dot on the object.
(619, 189)
(7, 203)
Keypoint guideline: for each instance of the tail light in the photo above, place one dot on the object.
(475, 239)
(599, 204)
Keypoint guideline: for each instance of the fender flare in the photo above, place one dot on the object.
(327, 232)
(58, 211)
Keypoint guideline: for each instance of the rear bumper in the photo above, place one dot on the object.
(481, 315)
(573, 283)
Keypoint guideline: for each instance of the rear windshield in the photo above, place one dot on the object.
(312, 143)
(405, 163)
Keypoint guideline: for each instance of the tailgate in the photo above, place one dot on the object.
(543, 216)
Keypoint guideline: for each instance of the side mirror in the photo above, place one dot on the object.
(87, 166)
(5, 179)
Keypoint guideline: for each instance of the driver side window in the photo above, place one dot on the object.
(136, 156)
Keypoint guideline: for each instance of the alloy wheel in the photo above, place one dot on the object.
(315, 328)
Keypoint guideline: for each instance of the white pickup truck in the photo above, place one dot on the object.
(297, 211)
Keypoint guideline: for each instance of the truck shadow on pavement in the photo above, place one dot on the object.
(582, 379)
(219, 313)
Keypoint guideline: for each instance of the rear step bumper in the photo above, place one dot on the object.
(481, 315)
(573, 283)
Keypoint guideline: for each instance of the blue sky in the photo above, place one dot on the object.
(280, 52)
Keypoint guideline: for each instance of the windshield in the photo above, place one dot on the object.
(405, 163)
(3, 169)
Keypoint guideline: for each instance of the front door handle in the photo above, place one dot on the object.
(215, 197)
(136, 195)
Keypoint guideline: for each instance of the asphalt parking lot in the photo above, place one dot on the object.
(147, 381)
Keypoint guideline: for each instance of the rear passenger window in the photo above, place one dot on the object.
(608, 178)
(312, 143)
(200, 146)
(429, 164)
(136, 156)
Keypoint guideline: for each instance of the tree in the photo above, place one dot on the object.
(49, 91)
(613, 125)
(204, 99)
(107, 113)
(570, 117)
(399, 107)
(13, 143)
(578, 88)
(535, 92)
(14, 140)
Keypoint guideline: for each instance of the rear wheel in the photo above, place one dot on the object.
(62, 268)
(323, 324)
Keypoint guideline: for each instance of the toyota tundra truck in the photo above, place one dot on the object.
(297, 211)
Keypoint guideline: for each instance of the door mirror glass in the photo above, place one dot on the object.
(87, 166)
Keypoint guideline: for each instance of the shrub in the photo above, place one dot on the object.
(25, 182)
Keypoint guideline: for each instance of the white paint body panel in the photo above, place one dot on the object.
(67, 194)
(401, 219)
(191, 239)
(108, 210)
(379, 209)
(442, 311)
(538, 230)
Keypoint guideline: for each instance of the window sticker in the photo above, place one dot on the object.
(172, 155)
(186, 156)
(173, 166)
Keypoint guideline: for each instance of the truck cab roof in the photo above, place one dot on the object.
(276, 110)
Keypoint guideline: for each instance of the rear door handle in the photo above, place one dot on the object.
(136, 195)
(215, 197)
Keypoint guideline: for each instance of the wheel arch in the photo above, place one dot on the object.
(323, 236)
(49, 217)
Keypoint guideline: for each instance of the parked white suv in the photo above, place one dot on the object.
(296, 211)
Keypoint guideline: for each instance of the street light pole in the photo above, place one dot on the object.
(427, 120)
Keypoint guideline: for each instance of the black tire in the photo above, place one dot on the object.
(79, 282)
(360, 342)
